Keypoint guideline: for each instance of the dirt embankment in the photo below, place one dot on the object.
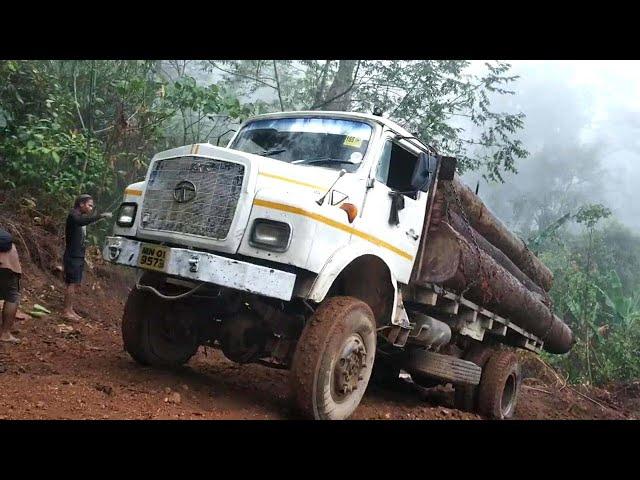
(78, 370)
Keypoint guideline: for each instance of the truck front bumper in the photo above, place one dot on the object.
(207, 267)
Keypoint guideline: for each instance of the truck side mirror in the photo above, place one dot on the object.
(425, 168)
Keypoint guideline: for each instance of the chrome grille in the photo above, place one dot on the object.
(217, 190)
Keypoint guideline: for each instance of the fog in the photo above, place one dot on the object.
(583, 134)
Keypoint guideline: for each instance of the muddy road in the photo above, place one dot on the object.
(78, 370)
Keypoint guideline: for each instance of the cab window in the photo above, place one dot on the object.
(396, 166)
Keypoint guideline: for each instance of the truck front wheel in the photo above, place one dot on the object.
(333, 359)
(154, 333)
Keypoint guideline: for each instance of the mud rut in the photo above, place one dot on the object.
(83, 373)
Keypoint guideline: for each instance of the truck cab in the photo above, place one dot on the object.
(292, 247)
(295, 189)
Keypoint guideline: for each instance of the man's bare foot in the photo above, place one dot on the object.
(71, 315)
(8, 337)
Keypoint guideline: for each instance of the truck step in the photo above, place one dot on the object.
(442, 367)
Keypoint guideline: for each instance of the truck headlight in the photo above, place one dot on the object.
(270, 235)
(126, 214)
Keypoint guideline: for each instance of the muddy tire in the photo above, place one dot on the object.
(153, 334)
(132, 327)
(334, 359)
(499, 386)
(466, 396)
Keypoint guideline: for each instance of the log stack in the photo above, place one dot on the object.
(470, 250)
(492, 228)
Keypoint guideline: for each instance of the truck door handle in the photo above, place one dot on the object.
(413, 235)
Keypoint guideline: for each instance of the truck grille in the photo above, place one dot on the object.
(192, 195)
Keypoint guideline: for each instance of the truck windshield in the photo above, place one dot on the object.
(326, 142)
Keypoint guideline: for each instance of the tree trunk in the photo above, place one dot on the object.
(339, 95)
(319, 96)
(494, 231)
(455, 263)
(470, 234)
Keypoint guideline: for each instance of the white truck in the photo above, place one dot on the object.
(299, 246)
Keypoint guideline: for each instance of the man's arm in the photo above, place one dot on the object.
(83, 220)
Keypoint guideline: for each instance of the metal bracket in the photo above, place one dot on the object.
(401, 318)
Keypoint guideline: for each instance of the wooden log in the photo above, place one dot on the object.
(494, 231)
(455, 263)
(468, 232)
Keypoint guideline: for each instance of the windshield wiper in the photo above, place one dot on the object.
(274, 151)
(324, 160)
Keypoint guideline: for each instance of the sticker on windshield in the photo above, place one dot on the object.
(355, 157)
(354, 142)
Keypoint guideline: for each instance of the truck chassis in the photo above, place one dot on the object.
(471, 319)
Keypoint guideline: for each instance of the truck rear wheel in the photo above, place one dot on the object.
(466, 396)
(334, 358)
(154, 335)
(499, 386)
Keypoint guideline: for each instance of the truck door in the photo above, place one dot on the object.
(398, 238)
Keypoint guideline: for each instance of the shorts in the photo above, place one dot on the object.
(73, 268)
(9, 285)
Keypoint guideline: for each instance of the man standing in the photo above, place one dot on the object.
(75, 238)
(10, 273)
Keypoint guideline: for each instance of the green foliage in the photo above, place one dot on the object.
(438, 100)
(68, 127)
(596, 291)
(199, 106)
(71, 126)
(41, 156)
(590, 215)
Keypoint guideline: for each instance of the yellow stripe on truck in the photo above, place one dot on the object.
(332, 223)
(135, 193)
(291, 180)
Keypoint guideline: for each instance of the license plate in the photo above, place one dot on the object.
(153, 257)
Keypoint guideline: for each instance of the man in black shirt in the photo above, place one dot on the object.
(75, 238)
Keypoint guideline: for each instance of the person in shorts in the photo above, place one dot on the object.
(10, 274)
(79, 217)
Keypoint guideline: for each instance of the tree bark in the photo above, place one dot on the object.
(471, 235)
(339, 95)
(322, 85)
(496, 233)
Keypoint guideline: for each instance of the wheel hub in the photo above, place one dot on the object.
(174, 329)
(508, 395)
(351, 362)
